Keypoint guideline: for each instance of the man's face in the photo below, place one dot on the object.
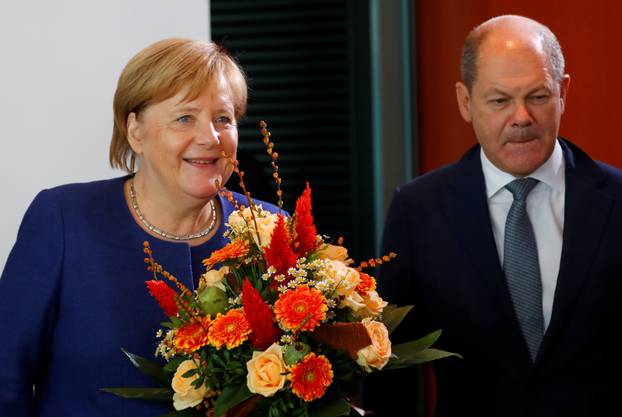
(515, 105)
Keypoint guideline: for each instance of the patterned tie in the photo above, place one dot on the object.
(520, 263)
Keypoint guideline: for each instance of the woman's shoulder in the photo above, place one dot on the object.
(100, 193)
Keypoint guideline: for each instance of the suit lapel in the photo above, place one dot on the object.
(489, 299)
(586, 213)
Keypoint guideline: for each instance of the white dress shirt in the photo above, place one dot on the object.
(545, 207)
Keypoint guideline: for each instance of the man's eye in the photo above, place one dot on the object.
(498, 101)
(540, 98)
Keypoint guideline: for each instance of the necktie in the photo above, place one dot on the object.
(520, 263)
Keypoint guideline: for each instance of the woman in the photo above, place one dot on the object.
(72, 292)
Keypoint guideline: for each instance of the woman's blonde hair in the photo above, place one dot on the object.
(162, 70)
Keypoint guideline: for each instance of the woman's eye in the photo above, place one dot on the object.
(184, 119)
(224, 120)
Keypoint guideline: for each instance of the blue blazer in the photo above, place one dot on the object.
(72, 294)
(448, 267)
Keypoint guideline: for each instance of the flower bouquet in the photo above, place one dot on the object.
(282, 323)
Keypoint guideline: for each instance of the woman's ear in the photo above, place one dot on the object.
(134, 137)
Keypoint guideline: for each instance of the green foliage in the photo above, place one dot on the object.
(393, 315)
(230, 397)
(417, 352)
(153, 394)
(149, 368)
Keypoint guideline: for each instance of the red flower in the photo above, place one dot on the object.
(165, 296)
(304, 226)
(279, 253)
(260, 317)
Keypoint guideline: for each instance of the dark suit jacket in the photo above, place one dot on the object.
(448, 267)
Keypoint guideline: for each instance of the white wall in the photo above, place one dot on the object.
(59, 64)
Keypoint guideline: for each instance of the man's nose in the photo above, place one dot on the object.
(522, 116)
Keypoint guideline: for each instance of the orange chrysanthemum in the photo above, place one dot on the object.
(301, 309)
(233, 250)
(311, 376)
(192, 336)
(367, 283)
(231, 329)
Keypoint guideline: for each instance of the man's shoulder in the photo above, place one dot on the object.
(436, 180)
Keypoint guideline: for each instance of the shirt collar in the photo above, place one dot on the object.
(550, 173)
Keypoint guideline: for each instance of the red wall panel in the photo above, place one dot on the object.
(591, 37)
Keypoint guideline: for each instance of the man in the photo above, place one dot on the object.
(523, 277)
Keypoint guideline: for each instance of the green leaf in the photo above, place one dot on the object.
(393, 315)
(149, 368)
(173, 364)
(333, 408)
(417, 351)
(230, 397)
(157, 394)
(188, 412)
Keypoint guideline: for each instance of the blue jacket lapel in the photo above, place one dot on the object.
(587, 211)
(468, 215)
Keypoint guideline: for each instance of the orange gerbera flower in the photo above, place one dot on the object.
(301, 309)
(192, 336)
(233, 250)
(367, 283)
(311, 376)
(231, 329)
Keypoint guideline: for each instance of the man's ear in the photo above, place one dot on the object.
(464, 101)
(563, 90)
(134, 137)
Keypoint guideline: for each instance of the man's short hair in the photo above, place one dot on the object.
(476, 37)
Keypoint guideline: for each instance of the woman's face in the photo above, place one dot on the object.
(180, 143)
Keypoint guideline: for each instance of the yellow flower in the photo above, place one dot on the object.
(378, 353)
(266, 371)
(186, 395)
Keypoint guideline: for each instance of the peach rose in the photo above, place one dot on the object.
(186, 395)
(373, 305)
(344, 278)
(266, 371)
(214, 278)
(241, 222)
(378, 353)
(333, 252)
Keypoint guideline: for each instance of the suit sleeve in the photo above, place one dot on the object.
(28, 304)
(395, 392)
